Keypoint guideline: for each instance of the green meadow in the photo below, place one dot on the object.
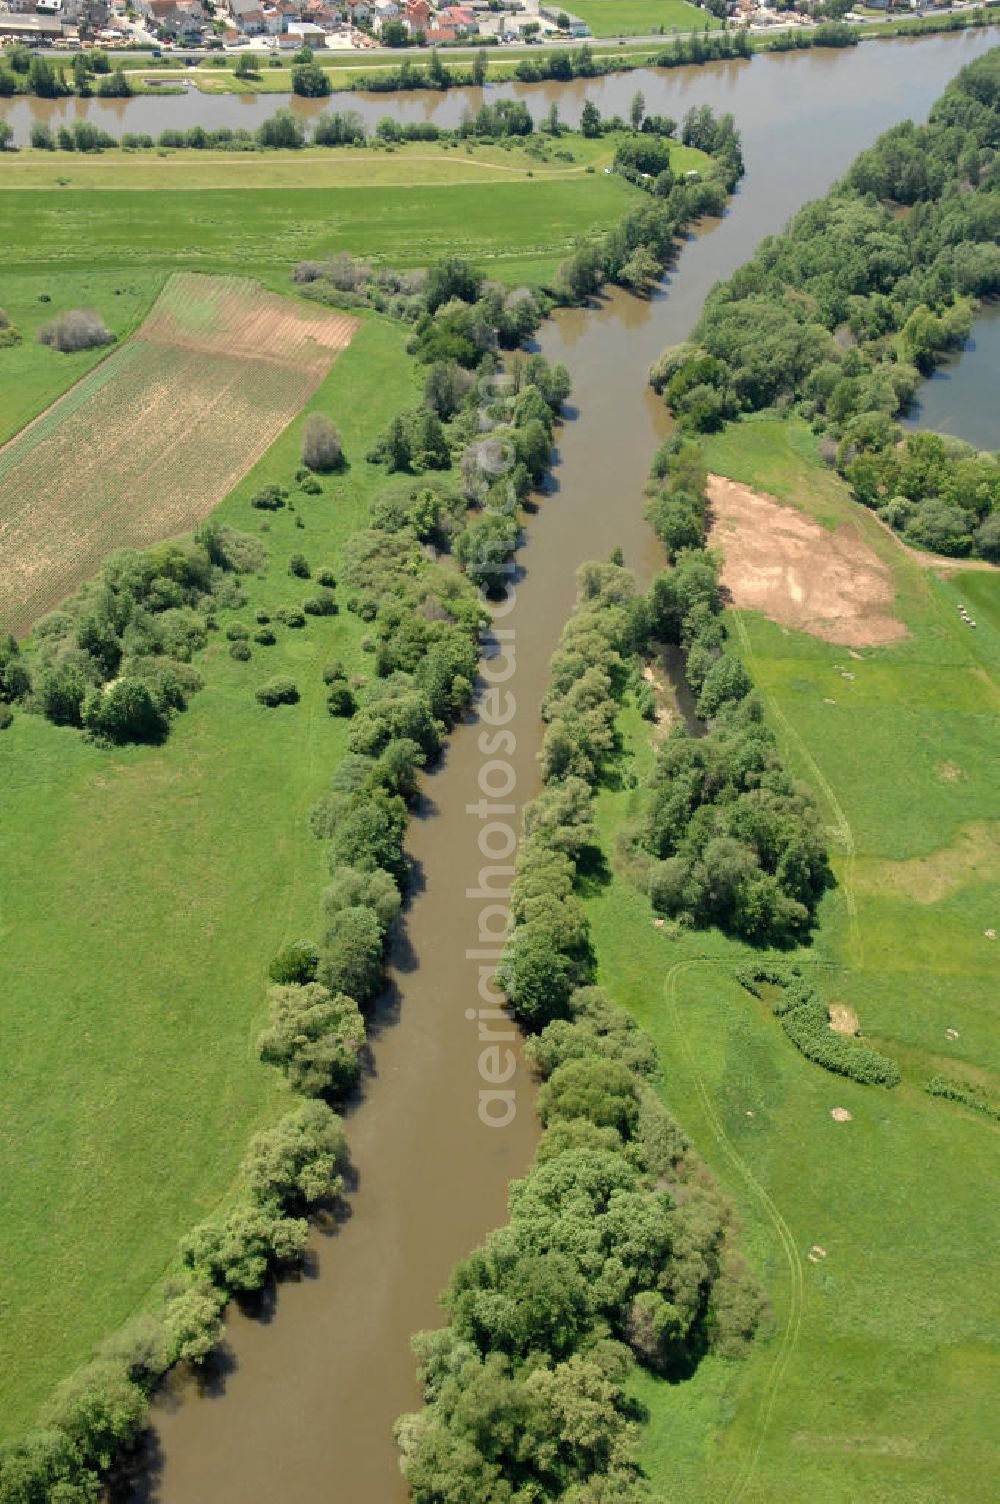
(145, 891)
(523, 224)
(607, 18)
(878, 1372)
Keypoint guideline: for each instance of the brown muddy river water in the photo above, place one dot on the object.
(305, 1409)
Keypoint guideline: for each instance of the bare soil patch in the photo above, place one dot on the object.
(973, 856)
(150, 442)
(782, 563)
(843, 1020)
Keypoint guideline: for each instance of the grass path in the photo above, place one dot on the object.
(842, 831)
(793, 1321)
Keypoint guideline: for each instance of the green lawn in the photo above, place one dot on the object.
(610, 18)
(145, 891)
(878, 1377)
(33, 375)
(501, 224)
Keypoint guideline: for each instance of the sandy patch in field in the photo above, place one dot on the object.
(973, 856)
(782, 563)
(843, 1020)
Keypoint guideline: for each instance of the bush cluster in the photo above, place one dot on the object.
(101, 1410)
(635, 251)
(77, 329)
(839, 316)
(115, 658)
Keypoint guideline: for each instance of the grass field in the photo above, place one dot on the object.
(112, 232)
(880, 1372)
(131, 1082)
(609, 18)
(216, 371)
(523, 225)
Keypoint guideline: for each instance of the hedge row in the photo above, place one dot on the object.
(805, 1018)
(965, 1092)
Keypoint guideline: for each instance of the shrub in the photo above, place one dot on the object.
(314, 1037)
(326, 578)
(321, 446)
(100, 1410)
(278, 692)
(299, 1161)
(265, 636)
(269, 498)
(601, 1090)
(350, 888)
(236, 631)
(340, 701)
(237, 1251)
(15, 680)
(192, 1321)
(240, 651)
(127, 711)
(295, 963)
(79, 329)
(320, 605)
(298, 565)
(6, 716)
(289, 617)
(351, 958)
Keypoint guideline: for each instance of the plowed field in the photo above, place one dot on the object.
(152, 439)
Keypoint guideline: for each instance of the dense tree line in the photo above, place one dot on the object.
(805, 1018)
(619, 1249)
(735, 841)
(867, 290)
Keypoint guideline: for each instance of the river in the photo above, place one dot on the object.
(305, 1408)
(961, 396)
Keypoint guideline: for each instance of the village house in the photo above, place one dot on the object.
(248, 16)
(417, 16)
(384, 11)
(460, 18)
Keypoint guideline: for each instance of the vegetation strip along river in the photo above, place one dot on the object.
(307, 1406)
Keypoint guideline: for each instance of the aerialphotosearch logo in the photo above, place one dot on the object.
(493, 460)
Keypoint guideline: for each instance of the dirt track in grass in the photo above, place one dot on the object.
(149, 443)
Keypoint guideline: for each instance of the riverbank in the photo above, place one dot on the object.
(896, 1198)
(215, 76)
(805, 119)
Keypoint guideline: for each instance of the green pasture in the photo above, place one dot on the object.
(33, 375)
(511, 227)
(608, 18)
(145, 890)
(84, 243)
(878, 1373)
